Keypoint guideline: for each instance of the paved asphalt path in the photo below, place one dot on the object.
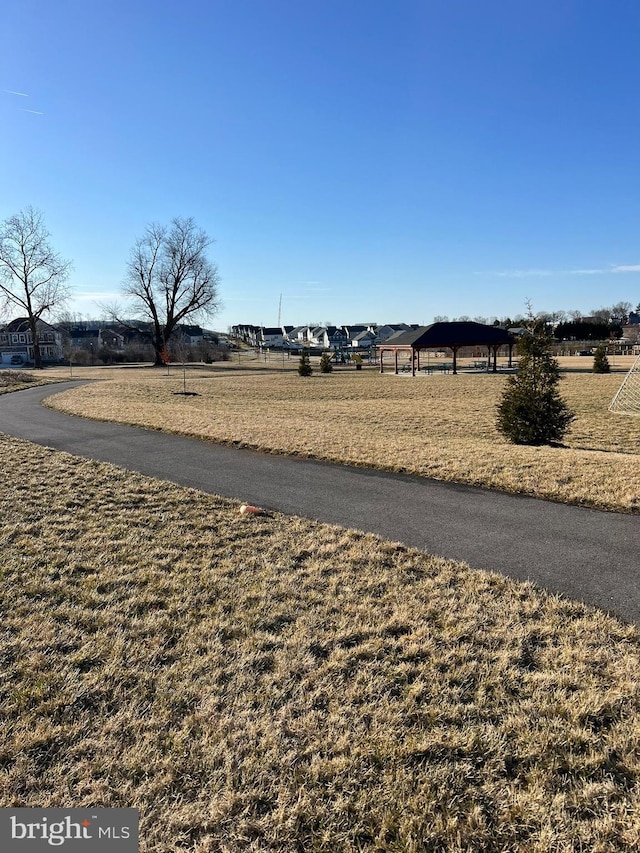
(585, 554)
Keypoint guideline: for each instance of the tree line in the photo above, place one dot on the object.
(613, 316)
(169, 278)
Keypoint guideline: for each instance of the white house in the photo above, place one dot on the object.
(363, 340)
(270, 336)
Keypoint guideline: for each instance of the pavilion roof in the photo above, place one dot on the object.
(457, 334)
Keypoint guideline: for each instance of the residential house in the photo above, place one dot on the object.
(383, 333)
(246, 332)
(192, 336)
(297, 335)
(363, 340)
(315, 336)
(630, 335)
(110, 339)
(353, 331)
(84, 338)
(16, 342)
(270, 336)
(334, 337)
(96, 339)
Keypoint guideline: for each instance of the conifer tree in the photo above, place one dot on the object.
(531, 410)
(304, 367)
(600, 360)
(325, 363)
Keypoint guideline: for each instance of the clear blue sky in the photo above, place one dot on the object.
(370, 161)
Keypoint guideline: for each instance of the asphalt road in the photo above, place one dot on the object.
(585, 554)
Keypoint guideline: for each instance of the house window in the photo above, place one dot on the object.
(14, 339)
(22, 339)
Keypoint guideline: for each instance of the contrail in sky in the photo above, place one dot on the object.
(22, 94)
(35, 112)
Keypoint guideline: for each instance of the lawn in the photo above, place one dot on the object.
(273, 684)
(439, 426)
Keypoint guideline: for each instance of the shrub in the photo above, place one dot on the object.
(15, 377)
(304, 367)
(325, 363)
(531, 410)
(600, 360)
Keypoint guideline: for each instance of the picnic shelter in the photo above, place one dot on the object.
(453, 336)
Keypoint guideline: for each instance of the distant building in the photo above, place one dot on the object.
(270, 336)
(191, 335)
(16, 343)
(96, 339)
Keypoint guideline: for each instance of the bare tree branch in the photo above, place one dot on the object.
(33, 277)
(170, 279)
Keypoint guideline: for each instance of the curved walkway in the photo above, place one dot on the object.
(585, 554)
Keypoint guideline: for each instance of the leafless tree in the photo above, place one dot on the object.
(169, 280)
(601, 315)
(33, 278)
(620, 312)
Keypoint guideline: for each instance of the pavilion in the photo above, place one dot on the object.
(453, 336)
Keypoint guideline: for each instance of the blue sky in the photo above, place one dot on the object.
(370, 161)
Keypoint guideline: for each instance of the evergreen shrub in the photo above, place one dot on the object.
(531, 410)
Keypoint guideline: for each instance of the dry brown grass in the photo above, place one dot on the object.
(272, 684)
(436, 426)
(15, 380)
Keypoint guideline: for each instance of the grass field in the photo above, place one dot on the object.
(438, 426)
(272, 684)
(14, 380)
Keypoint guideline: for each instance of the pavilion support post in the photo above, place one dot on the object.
(510, 355)
(495, 359)
(413, 362)
(488, 358)
(455, 360)
(395, 353)
(418, 354)
(381, 356)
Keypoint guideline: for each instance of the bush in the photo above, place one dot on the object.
(531, 410)
(304, 366)
(600, 361)
(325, 363)
(15, 377)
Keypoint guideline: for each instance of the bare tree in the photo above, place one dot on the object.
(169, 280)
(32, 276)
(601, 315)
(620, 312)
